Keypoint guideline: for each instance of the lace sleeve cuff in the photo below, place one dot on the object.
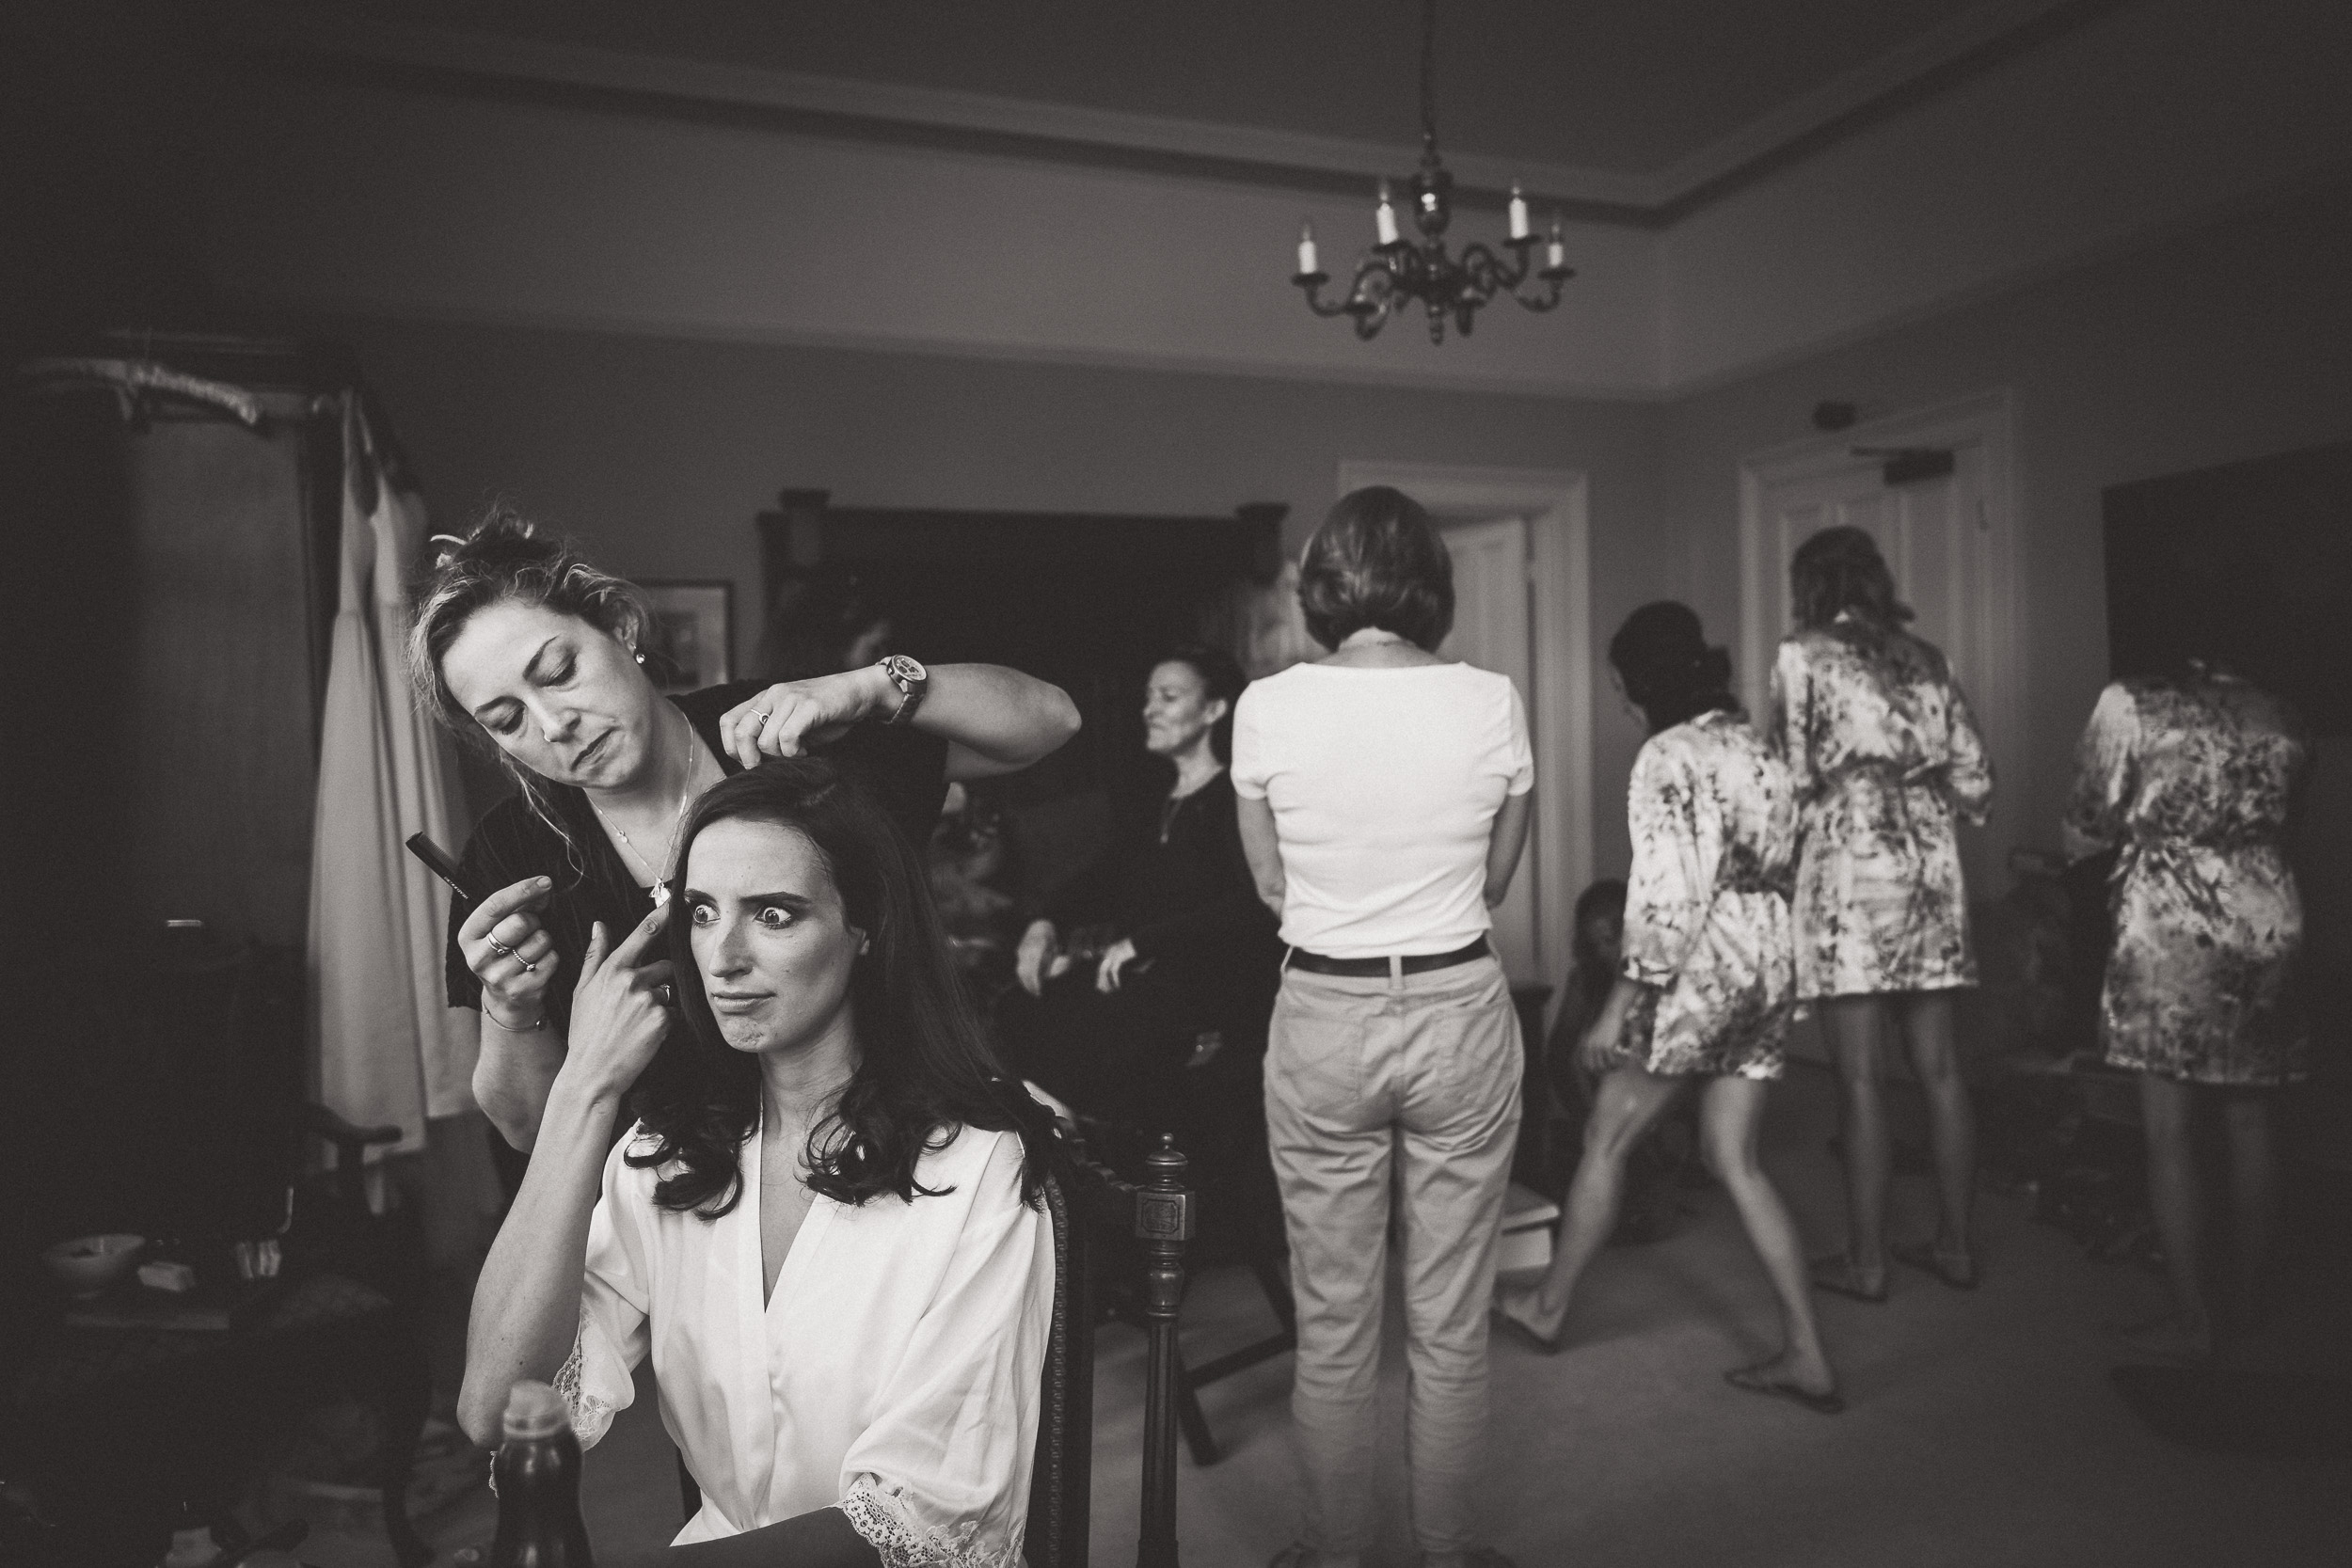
(881, 1516)
(591, 1417)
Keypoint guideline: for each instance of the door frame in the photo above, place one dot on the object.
(1555, 503)
(1985, 420)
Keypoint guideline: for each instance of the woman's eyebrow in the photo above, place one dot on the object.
(531, 671)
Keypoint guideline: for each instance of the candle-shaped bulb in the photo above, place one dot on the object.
(1384, 217)
(1518, 213)
(1306, 248)
(1556, 247)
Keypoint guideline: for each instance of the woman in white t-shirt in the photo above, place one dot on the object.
(1383, 794)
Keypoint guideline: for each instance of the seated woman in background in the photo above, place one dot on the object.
(822, 1226)
(520, 643)
(2192, 777)
(1707, 986)
(1163, 941)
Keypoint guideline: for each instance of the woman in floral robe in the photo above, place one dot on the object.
(1886, 758)
(1705, 986)
(2189, 779)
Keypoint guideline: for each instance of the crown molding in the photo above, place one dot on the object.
(306, 41)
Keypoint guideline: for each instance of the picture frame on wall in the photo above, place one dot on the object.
(692, 638)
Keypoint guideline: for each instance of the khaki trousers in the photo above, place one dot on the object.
(1410, 1082)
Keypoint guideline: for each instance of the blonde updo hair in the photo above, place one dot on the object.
(506, 558)
(503, 559)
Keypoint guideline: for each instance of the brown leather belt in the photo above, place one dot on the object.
(1411, 963)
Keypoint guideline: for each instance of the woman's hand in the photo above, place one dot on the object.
(1039, 944)
(791, 715)
(1600, 1049)
(511, 954)
(619, 1016)
(1115, 959)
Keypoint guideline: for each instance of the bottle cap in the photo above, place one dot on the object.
(534, 1410)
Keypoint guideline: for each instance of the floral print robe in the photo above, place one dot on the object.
(2189, 779)
(1886, 758)
(1707, 903)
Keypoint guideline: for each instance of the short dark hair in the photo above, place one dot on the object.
(924, 1069)
(1839, 569)
(1661, 655)
(1377, 561)
(1220, 675)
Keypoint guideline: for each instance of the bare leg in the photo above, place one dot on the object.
(1731, 1113)
(2165, 1111)
(1951, 1119)
(1855, 1025)
(2253, 1200)
(1629, 1100)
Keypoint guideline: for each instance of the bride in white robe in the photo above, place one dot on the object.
(856, 1381)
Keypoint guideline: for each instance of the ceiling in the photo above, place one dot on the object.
(1622, 86)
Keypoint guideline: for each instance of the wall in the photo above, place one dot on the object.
(660, 451)
(2229, 342)
(2155, 114)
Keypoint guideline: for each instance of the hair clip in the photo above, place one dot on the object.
(451, 546)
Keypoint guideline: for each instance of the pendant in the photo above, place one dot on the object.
(660, 890)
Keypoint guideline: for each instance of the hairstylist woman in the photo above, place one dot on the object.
(519, 640)
(1383, 799)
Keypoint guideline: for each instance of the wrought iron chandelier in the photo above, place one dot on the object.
(1396, 271)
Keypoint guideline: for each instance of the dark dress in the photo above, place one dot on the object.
(1176, 884)
(905, 771)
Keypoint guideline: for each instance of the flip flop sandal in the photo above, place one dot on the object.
(1839, 1277)
(1752, 1380)
(1923, 1256)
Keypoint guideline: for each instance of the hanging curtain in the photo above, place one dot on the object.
(391, 1050)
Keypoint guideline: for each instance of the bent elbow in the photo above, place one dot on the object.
(1062, 720)
(481, 1413)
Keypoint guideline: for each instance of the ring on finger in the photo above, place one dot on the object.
(503, 951)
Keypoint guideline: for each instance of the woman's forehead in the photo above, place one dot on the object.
(744, 855)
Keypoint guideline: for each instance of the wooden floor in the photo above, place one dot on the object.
(1983, 1427)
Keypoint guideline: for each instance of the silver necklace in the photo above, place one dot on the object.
(660, 889)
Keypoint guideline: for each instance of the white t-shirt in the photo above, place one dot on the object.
(1385, 783)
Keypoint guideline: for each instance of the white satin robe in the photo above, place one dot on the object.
(893, 1372)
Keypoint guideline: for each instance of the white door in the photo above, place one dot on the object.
(1930, 535)
(1493, 629)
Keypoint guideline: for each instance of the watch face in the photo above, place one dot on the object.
(904, 669)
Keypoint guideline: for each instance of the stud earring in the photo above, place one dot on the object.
(639, 657)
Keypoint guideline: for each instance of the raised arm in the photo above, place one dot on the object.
(527, 1302)
(994, 720)
(502, 957)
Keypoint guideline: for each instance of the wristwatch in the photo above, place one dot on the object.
(911, 679)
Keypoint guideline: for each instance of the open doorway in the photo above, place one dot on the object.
(1933, 488)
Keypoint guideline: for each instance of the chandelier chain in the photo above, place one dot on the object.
(1429, 76)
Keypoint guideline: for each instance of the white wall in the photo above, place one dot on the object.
(396, 203)
(2141, 120)
(482, 208)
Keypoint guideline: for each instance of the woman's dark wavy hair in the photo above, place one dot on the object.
(1839, 569)
(1377, 561)
(1221, 676)
(924, 1069)
(1669, 670)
